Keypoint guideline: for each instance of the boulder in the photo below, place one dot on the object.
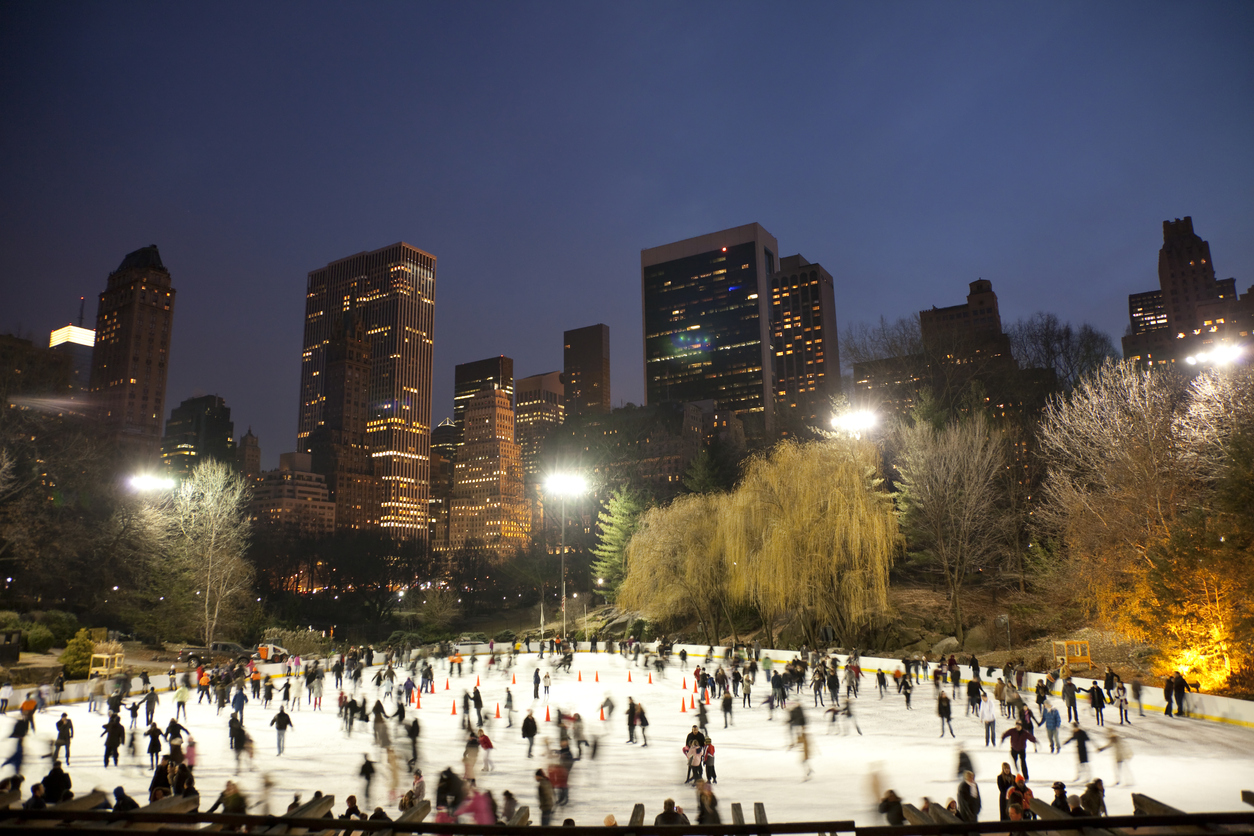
(946, 646)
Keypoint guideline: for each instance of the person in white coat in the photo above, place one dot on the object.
(989, 715)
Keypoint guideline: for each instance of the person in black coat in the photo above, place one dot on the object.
(123, 802)
(529, 731)
(969, 799)
(56, 782)
(943, 710)
(890, 806)
(1098, 699)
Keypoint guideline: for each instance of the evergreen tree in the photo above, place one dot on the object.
(618, 523)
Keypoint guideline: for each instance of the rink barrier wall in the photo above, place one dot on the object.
(1210, 707)
(107, 822)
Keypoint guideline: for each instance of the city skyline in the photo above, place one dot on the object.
(1028, 146)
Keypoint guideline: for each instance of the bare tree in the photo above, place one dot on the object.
(440, 608)
(860, 343)
(950, 495)
(1044, 342)
(1221, 402)
(209, 512)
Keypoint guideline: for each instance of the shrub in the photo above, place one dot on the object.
(636, 629)
(10, 620)
(37, 638)
(62, 624)
(76, 659)
(430, 634)
(482, 638)
(505, 637)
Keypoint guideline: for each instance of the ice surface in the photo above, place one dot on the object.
(1191, 764)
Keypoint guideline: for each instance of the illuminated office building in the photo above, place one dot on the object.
(488, 508)
(391, 292)
(471, 378)
(803, 339)
(199, 429)
(706, 323)
(538, 413)
(130, 360)
(293, 500)
(77, 343)
(586, 370)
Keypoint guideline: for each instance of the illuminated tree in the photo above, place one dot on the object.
(810, 531)
(618, 522)
(950, 491)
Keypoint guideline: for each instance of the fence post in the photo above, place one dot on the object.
(738, 815)
(759, 817)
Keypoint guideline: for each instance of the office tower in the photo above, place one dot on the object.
(199, 429)
(445, 440)
(248, 456)
(391, 291)
(488, 508)
(538, 413)
(130, 360)
(471, 378)
(706, 322)
(338, 445)
(803, 339)
(586, 370)
(1191, 315)
(293, 500)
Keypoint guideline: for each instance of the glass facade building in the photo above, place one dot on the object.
(391, 292)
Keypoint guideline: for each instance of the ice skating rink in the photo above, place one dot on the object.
(1191, 764)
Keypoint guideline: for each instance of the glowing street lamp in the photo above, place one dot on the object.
(1221, 355)
(856, 422)
(146, 482)
(564, 485)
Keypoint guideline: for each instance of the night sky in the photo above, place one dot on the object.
(536, 148)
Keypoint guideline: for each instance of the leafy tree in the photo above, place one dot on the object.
(950, 489)
(811, 531)
(618, 522)
(370, 568)
(76, 658)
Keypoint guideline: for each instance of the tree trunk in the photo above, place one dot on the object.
(957, 611)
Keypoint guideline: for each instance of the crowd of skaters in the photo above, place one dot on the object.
(731, 680)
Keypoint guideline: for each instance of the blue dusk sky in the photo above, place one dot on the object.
(536, 148)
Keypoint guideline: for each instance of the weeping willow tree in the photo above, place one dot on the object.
(675, 564)
(810, 531)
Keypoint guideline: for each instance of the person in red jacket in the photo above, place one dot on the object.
(1019, 737)
(485, 745)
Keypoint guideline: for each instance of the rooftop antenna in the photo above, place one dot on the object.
(82, 303)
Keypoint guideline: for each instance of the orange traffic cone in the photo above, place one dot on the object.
(602, 714)
(683, 707)
(515, 682)
(650, 678)
(446, 683)
(454, 708)
(581, 676)
(629, 676)
(694, 703)
(498, 711)
(684, 686)
(546, 714)
(476, 682)
(598, 676)
(707, 697)
(694, 685)
(417, 699)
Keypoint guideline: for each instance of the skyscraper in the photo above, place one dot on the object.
(471, 378)
(803, 338)
(586, 370)
(539, 412)
(200, 429)
(706, 322)
(248, 456)
(130, 360)
(488, 506)
(1192, 313)
(338, 446)
(391, 291)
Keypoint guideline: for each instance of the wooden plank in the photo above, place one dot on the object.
(314, 808)
(8, 799)
(759, 816)
(914, 815)
(83, 802)
(637, 816)
(1153, 807)
(420, 811)
(1045, 810)
(1246, 796)
(737, 813)
(942, 816)
(172, 804)
(522, 817)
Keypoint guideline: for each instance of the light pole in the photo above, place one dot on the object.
(564, 485)
(856, 422)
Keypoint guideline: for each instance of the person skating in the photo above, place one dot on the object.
(969, 803)
(529, 731)
(943, 710)
(150, 705)
(1081, 739)
(154, 735)
(545, 797)
(1068, 698)
(281, 722)
(1097, 698)
(989, 717)
(642, 722)
(1094, 799)
(1052, 721)
(65, 733)
(114, 736)
(367, 774)
(692, 754)
(1019, 737)
(1119, 750)
(535, 684)
(412, 731)
(710, 774)
(890, 806)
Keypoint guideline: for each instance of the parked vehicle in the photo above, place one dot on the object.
(215, 652)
